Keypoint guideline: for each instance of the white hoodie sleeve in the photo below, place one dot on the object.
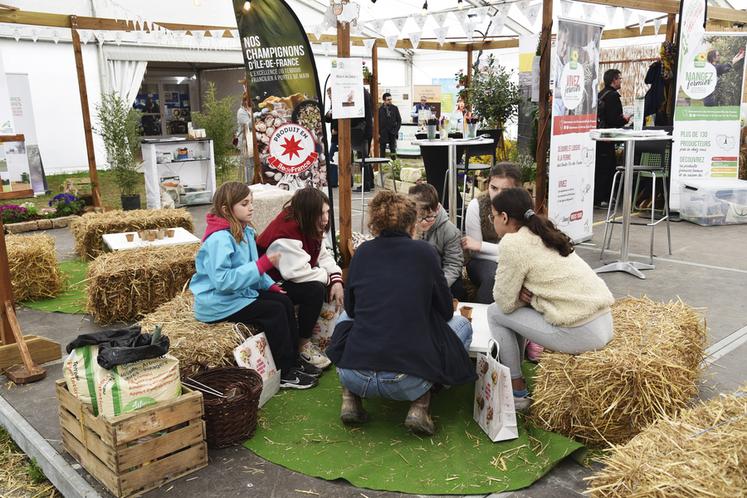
(294, 264)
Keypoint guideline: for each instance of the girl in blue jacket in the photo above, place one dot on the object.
(231, 283)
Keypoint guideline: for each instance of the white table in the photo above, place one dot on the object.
(452, 144)
(624, 263)
(118, 241)
(480, 330)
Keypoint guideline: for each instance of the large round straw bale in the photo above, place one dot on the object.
(89, 229)
(198, 346)
(649, 369)
(125, 285)
(701, 452)
(33, 266)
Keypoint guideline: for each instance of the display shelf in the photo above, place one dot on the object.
(194, 173)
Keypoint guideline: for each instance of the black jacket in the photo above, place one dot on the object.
(389, 120)
(362, 128)
(398, 299)
(612, 109)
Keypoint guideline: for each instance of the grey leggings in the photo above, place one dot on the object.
(527, 323)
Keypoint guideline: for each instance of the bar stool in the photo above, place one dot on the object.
(466, 168)
(652, 168)
(370, 161)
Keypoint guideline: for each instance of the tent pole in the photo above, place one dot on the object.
(343, 158)
(543, 126)
(375, 99)
(92, 173)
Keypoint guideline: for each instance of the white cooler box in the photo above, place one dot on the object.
(713, 201)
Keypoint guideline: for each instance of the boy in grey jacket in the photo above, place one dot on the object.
(434, 227)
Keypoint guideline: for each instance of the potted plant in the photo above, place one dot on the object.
(494, 97)
(119, 127)
(218, 118)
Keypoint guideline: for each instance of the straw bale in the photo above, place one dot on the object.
(89, 229)
(649, 369)
(198, 346)
(701, 452)
(124, 285)
(33, 266)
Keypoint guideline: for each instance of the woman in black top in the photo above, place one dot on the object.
(398, 336)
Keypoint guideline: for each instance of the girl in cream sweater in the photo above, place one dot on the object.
(544, 292)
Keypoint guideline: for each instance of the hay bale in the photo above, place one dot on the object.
(198, 346)
(268, 201)
(649, 369)
(33, 266)
(89, 229)
(124, 285)
(700, 452)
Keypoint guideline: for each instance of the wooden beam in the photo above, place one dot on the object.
(6, 291)
(673, 7)
(375, 99)
(543, 125)
(671, 36)
(343, 160)
(17, 194)
(35, 18)
(92, 173)
(18, 137)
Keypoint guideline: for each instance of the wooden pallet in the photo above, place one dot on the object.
(136, 452)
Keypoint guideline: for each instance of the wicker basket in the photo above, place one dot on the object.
(232, 419)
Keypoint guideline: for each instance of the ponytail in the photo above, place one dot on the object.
(517, 204)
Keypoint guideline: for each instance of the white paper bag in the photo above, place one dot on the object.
(494, 408)
(325, 326)
(255, 353)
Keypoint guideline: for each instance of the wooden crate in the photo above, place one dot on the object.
(139, 451)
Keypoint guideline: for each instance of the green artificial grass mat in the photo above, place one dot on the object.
(73, 298)
(301, 430)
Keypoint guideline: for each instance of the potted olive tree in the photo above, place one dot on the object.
(494, 98)
(119, 127)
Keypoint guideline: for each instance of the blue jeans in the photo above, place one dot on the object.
(393, 385)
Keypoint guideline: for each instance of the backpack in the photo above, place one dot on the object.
(602, 108)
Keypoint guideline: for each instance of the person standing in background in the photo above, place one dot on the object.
(243, 140)
(389, 124)
(420, 106)
(609, 115)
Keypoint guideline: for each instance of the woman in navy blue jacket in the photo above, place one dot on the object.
(398, 336)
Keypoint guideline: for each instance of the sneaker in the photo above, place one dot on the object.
(307, 368)
(295, 379)
(522, 404)
(312, 354)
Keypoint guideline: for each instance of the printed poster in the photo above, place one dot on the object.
(574, 113)
(346, 79)
(707, 111)
(285, 94)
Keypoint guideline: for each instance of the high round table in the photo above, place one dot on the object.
(624, 263)
(452, 144)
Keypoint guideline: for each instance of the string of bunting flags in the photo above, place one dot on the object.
(413, 27)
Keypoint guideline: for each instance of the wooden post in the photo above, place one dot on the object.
(6, 292)
(375, 98)
(671, 97)
(96, 194)
(343, 159)
(543, 125)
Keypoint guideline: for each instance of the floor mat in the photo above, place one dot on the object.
(73, 299)
(301, 431)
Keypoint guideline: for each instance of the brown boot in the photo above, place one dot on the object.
(418, 417)
(352, 411)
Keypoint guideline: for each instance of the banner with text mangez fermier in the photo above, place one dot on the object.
(285, 95)
(574, 113)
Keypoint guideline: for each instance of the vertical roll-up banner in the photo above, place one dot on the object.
(574, 113)
(710, 81)
(285, 95)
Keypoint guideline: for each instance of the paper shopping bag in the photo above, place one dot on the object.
(325, 326)
(255, 353)
(494, 400)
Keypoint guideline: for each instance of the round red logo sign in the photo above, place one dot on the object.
(292, 149)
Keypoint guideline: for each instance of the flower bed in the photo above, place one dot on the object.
(26, 217)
